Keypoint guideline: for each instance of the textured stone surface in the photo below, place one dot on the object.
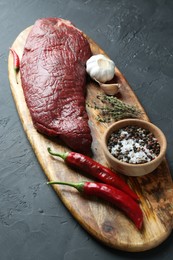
(137, 35)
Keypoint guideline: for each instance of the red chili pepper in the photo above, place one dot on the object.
(111, 194)
(95, 169)
(16, 63)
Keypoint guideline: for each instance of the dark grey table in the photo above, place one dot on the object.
(138, 36)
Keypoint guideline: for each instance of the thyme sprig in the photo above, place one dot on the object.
(113, 109)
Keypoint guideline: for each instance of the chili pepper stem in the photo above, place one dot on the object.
(61, 155)
(79, 186)
(15, 72)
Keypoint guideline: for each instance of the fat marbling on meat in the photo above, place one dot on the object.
(53, 77)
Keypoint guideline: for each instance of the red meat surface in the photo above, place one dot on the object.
(53, 77)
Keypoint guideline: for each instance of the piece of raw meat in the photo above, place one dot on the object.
(53, 77)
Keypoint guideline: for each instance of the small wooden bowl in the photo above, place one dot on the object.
(129, 168)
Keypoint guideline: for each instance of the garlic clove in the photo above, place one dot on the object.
(110, 88)
(100, 67)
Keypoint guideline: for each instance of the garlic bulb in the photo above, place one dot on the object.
(100, 68)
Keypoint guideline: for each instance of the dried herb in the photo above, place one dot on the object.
(113, 109)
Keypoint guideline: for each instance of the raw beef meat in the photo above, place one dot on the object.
(53, 78)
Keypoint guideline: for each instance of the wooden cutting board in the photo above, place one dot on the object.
(101, 220)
